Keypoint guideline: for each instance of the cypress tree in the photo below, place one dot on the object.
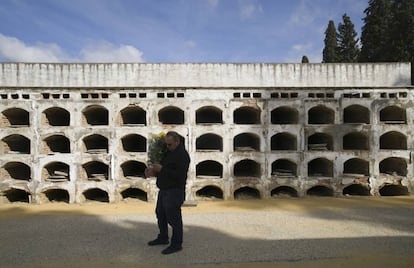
(348, 50)
(305, 59)
(330, 49)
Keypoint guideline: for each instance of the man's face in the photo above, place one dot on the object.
(171, 143)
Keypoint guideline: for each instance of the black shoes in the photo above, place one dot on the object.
(171, 249)
(158, 241)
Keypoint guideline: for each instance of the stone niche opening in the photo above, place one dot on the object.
(56, 172)
(56, 116)
(355, 141)
(393, 166)
(284, 168)
(209, 169)
(171, 115)
(96, 115)
(247, 168)
(17, 195)
(393, 190)
(96, 194)
(15, 117)
(393, 140)
(283, 141)
(134, 143)
(133, 116)
(246, 193)
(356, 189)
(57, 195)
(209, 193)
(209, 115)
(134, 193)
(56, 144)
(356, 167)
(320, 190)
(16, 171)
(393, 115)
(356, 114)
(95, 144)
(95, 171)
(209, 142)
(246, 116)
(320, 142)
(321, 115)
(284, 115)
(133, 169)
(246, 142)
(320, 167)
(284, 191)
(15, 144)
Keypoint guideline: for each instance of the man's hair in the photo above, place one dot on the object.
(174, 135)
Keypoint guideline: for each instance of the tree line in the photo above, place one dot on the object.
(387, 35)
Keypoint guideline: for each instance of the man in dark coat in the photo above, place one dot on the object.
(171, 180)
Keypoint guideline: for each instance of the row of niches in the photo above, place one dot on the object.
(209, 142)
(208, 192)
(319, 167)
(136, 116)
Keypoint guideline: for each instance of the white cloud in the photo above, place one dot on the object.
(248, 9)
(13, 49)
(213, 3)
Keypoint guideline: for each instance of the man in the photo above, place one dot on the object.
(171, 180)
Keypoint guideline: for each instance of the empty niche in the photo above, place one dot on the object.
(393, 140)
(134, 193)
(133, 169)
(393, 190)
(57, 195)
(284, 191)
(96, 115)
(56, 172)
(95, 171)
(134, 143)
(246, 115)
(355, 141)
(171, 115)
(95, 144)
(246, 142)
(15, 144)
(209, 115)
(356, 167)
(393, 115)
(16, 171)
(209, 142)
(247, 168)
(15, 117)
(283, 141)
(320, 142)
(209, 193)
(17, 195)
(320, 167)
(284, 168)
(96, 194)
(284, 115)
(320, 190)
(56, 144)
(321, 115)
(393, 166)
(133, 115)
(56, 116)
(246, 193)
(356, 189)
(356, 114)
(209, 169)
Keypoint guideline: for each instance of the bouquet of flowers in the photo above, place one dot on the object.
(156, 148)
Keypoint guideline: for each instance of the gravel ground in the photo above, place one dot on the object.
(379, 235)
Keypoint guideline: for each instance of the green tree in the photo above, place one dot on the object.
(348, 49)
(330, 49)
(305, 59)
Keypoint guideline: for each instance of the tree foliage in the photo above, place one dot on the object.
(348, 50)
(330, 49)
(305, 59)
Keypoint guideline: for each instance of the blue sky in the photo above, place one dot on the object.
(169, 30)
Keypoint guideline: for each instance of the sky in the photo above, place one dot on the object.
(279, 31)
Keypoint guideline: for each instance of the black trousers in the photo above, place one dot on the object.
(168, 211)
